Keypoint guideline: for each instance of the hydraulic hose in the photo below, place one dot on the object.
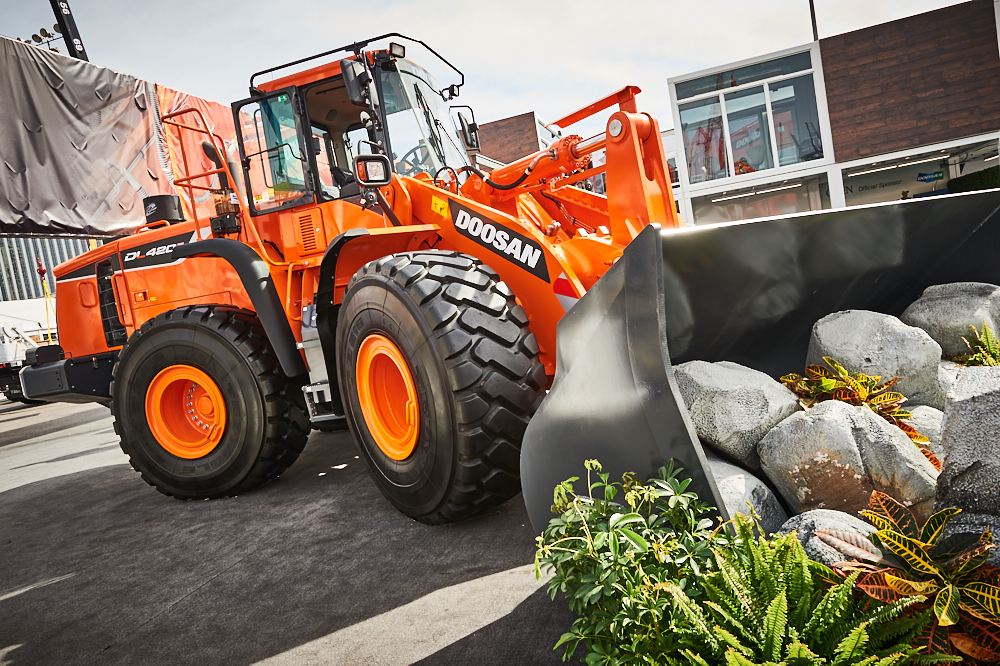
(509, 186)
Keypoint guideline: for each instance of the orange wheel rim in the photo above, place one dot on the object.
(185, 411)
(388, 396)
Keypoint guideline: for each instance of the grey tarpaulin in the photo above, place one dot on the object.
(80, 145)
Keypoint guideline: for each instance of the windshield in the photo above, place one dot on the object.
(422, 133)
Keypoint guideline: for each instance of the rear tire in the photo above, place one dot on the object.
(471, 363)
(263, 424)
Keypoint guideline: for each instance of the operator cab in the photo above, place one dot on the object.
(299, 136)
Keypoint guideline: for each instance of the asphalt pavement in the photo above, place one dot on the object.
(96, 567)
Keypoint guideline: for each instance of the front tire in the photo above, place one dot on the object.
(202, 406)
(440, 375)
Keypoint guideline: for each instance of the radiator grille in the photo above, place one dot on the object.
(114, 331)
(311, 236)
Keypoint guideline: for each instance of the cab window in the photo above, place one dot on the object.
(334, 123)
(274, 164)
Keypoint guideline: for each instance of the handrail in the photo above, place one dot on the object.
(220, 150)
(356, 48)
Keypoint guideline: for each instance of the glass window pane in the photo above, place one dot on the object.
(772, 200)
(742, 75)
(276, 166)
(701, 127)
(672, 168)
(422, 133)
(331, 115)
(749, 133)
(796, 120)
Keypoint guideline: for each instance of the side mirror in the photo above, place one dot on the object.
(317, 146)
(213, 155)
(356, 81)
(470, 132)
(372, 170)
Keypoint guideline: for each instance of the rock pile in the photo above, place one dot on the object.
(822, 464)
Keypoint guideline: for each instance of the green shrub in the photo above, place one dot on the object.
(652, 583)
(984, 349)
(766, 603)
(859, 389)
(979, 180)
(903, 559)
(612, 559)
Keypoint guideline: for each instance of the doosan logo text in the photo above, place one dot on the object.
(521, 251)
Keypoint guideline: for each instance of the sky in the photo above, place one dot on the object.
(551, 57)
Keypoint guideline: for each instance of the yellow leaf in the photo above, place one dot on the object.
(946, 606)
(911, 588)
(909, 550)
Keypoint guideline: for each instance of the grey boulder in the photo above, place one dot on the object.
(927, 421)
(805, 525)
(970, 441)
(739, 488)
(833, 455)
(732, 407)
(972, 523)
(878, 344)
(948, 311)
(947, 376)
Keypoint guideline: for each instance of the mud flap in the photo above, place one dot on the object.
(747, 292)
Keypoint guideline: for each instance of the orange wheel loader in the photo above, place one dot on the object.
(359, 274)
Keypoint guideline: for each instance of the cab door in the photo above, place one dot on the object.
(273, 151)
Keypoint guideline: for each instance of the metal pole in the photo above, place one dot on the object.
(812, 15)
(67, 25)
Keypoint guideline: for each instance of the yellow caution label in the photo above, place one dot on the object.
(439, 206)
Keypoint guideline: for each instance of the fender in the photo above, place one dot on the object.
(256, 279)
(343, 261)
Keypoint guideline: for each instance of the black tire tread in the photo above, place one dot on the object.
(284, 404)
(492, 364)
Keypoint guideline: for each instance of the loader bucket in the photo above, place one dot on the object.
(747, 292)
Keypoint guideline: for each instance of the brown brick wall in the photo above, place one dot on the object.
(509, 139)
(925, 79)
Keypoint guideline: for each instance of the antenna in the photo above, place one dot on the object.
(812, 15)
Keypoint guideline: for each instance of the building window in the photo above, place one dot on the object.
(771, 199)
(672, 169)
(754, 127)
(701, 127)
(743, 75)
(749, 134)
(796, 120)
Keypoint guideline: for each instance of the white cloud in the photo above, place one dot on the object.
(521, 55)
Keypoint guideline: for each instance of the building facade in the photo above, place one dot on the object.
(893, 111)
(509, 139)
(19, 256)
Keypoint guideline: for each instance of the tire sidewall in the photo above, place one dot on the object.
(376, 305)
(189, 343)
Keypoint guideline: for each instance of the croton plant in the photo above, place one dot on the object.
(859, 389)
(902, 559)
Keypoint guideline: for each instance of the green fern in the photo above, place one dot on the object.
(983, 347)
(743, 618)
